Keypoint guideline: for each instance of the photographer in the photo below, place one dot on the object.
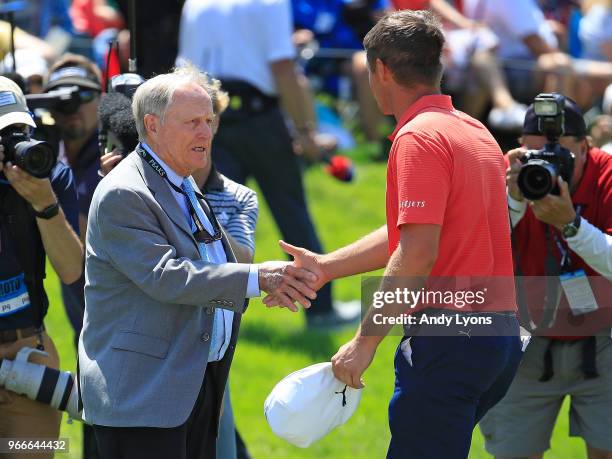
(78, 148)
(561, 234)
(38, 216)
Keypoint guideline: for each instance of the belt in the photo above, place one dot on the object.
(10, 336)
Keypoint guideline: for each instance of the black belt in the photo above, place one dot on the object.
(246, 101)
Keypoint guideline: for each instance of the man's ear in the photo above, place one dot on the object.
(151, 123)
(382, 71)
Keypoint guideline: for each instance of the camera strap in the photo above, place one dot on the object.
(552, 295)
(566, 262)
(201, 234)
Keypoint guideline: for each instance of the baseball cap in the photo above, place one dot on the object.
(13, 106)
(574, 124)
(72, 75)
(309, 403)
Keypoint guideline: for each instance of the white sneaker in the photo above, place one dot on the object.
(508, 119)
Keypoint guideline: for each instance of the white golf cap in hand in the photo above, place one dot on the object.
(309, 403)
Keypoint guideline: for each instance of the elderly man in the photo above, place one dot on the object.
(163, 296)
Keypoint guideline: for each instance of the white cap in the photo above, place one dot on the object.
(309, 403)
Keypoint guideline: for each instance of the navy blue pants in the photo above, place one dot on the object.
(452, 382)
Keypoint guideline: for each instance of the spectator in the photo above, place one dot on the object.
(601, 132)
(40, 16)
(259, 73)
(471, 67)
(595, 30)
(530, 53)
(572, 358)
(342, 25)
(91, 17)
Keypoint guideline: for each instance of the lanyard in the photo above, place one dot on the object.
(565, 258)
(200, 235)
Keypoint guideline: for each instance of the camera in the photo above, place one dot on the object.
(66, 100)
(40, 383)
(541, 168)
(35, 157)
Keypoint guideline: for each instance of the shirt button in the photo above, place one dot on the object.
(205, 337)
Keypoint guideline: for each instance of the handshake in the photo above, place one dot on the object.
(288, 282)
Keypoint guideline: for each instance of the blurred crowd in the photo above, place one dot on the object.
(498, 54)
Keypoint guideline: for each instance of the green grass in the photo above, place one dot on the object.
(274, 343)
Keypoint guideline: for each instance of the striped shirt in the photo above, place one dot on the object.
(234, 205)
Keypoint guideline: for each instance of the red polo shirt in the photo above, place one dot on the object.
(445, 168)
(594, 196)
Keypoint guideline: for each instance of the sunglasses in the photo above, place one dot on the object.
(87, 95)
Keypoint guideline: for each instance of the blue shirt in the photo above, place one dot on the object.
(324, 19)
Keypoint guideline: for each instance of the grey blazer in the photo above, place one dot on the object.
(149, 303)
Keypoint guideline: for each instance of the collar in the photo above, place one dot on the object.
(588, 183)
(440, 101)
(174, 178)
(214, 181)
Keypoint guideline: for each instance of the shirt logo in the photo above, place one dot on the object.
(409, 204)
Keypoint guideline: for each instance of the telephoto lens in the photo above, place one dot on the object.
(40, 383)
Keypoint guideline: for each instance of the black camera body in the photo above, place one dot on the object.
(64, 100)
(541, 168)
(35, 157)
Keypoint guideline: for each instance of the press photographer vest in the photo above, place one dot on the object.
(22, 260)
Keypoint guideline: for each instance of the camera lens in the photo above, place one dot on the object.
(35, 157)
(536, 179)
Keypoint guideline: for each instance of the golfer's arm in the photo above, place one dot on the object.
(409, 266)
(367, 254)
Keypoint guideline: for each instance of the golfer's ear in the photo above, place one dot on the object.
(151, 123)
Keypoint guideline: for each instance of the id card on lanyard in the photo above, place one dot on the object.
(13, 295)
(575, 282)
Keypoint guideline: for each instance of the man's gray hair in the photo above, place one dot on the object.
(155, 95)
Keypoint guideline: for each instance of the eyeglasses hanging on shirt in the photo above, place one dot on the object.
(200, 234)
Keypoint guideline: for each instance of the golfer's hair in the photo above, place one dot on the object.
(410, 44)
(155, 95)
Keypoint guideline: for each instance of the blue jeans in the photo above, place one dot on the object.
(452, 382)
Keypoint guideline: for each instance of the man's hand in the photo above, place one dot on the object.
(109, 160)
(302, 258)
(557, 211)
(287, 284)
(513, 171)
(37, 192)
(352, 360)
